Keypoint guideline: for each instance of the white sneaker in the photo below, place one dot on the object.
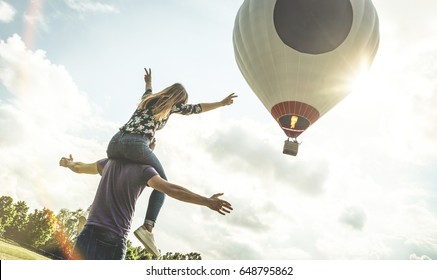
(146, 237)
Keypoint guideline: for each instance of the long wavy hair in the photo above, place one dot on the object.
(164, 100)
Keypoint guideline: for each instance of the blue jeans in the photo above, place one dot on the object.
(97, 243)
(136, 148)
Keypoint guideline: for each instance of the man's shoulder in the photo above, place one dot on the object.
(102, 162)
(127, 166)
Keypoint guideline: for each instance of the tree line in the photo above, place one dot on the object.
(53, 235)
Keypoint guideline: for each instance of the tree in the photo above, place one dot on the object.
(137, 253)
(179, 256)
(41, 227)
(7, 212)
(17, 227)
(61, 243)
(69, 221)
(194, 256)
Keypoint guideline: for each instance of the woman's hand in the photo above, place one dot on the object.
(229, 99)
(152, 144)
(148, 78)
(148, 75)
(211, 106)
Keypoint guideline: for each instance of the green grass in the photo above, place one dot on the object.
(12, 251)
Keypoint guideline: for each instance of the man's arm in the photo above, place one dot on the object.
(80, 167)
(185, 195)
(89, 168)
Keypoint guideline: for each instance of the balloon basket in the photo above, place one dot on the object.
(291, 147)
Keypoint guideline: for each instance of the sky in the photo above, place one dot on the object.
(71, 73)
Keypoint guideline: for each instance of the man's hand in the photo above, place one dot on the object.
(66, 162)
(79, 167)
(219, 205)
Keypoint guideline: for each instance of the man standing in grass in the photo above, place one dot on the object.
(104, 235)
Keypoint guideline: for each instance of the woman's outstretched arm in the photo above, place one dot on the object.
(211, 106)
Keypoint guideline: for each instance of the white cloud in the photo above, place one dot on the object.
(91, 6)
(354, 216)
(416, 257)
(240, 147)
(7, 12)
(43, 116)
(44, 93)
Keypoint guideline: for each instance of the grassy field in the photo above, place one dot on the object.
(12, 251)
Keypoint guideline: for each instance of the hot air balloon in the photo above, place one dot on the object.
(298, 56)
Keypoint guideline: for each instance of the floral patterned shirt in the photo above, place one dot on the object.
(142, 121)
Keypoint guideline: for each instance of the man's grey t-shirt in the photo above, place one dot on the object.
(121, 184)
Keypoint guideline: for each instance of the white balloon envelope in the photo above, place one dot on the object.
(298, 56)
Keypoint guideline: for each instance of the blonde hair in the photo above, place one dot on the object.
(164, 100)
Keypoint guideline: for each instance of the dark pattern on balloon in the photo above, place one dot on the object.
(313, 26)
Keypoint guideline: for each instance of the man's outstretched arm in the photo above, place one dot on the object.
(79, 167)
(89, 168)
(185, 195)
(156, 182)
